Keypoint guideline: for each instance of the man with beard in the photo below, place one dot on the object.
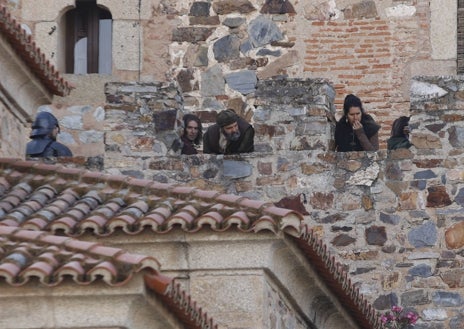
(43, 144)
(230, 135)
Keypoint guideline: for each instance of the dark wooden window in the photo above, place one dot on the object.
(88, 39)
(460, 24)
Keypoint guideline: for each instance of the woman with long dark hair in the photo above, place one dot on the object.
(192, 135)
(399, 134)
(356, 130)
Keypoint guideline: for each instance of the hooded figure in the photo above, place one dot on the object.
(44, 131)
(230, 135)
(356, 130)
(399, 134)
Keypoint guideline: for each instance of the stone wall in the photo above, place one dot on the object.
(384, 214)
(12, 133)
(143, 121)
(218, 51)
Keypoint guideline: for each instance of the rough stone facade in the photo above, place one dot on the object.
(385, 214)
(217, 52)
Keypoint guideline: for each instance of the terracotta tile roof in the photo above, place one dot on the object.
(28, 51)
(67, 201)
(26, 255)
(337, 279)
(70, 201)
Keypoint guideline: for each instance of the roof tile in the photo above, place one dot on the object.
(137, 205)
(31, 54)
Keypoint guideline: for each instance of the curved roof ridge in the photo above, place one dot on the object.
(179, 302)
(337, 279)
(32, 56)
(26, 254)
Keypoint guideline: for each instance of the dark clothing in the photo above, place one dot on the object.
(394, 143)
(46, 147)
(188, 146)
(347, 139)
(244, 144)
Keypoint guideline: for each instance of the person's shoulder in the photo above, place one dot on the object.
(62, 149)
(244, 123)
(212, 128)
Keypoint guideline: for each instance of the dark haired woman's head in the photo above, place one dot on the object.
(400, 127)
(351, 101)
(192, 128)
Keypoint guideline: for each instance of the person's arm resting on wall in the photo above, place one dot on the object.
(368, 144)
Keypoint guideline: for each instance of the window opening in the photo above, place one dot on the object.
(460, 38)
(88, 39)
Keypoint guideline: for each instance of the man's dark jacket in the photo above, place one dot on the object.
(244, 144)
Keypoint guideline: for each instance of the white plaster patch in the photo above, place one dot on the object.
(365, 177)
(400, 11)
(423, 90)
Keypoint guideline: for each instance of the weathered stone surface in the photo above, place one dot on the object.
(385, 302)
(456, 136)
(321, 11)
(243, 81)
(436, 127)
(165, 120)
(423, 235)
(376, 235)
(413, 298)
(393, 171)
(268, 52)
(201, 20)
(408, 200)
(277, 7)
(226, 48)
(350, 165)
(200, 8)
(454, 236)
(237, 169)
(185, 79)
(454, 278)
(365, 177)
(390, 218)
(421, 270)
(212, 82)
(191, 34)
(426, 141)
(294, 203)
(426, 174)
(438, 197)
(263, 31)
(278, 67)
(447, 299)
(201, 57)
(421, 90)
(343, 240)
(229, 6)
(457, 322)
(234, 22)
(363, 9)
(321, 200)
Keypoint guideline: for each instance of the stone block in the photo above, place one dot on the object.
(126, 45)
